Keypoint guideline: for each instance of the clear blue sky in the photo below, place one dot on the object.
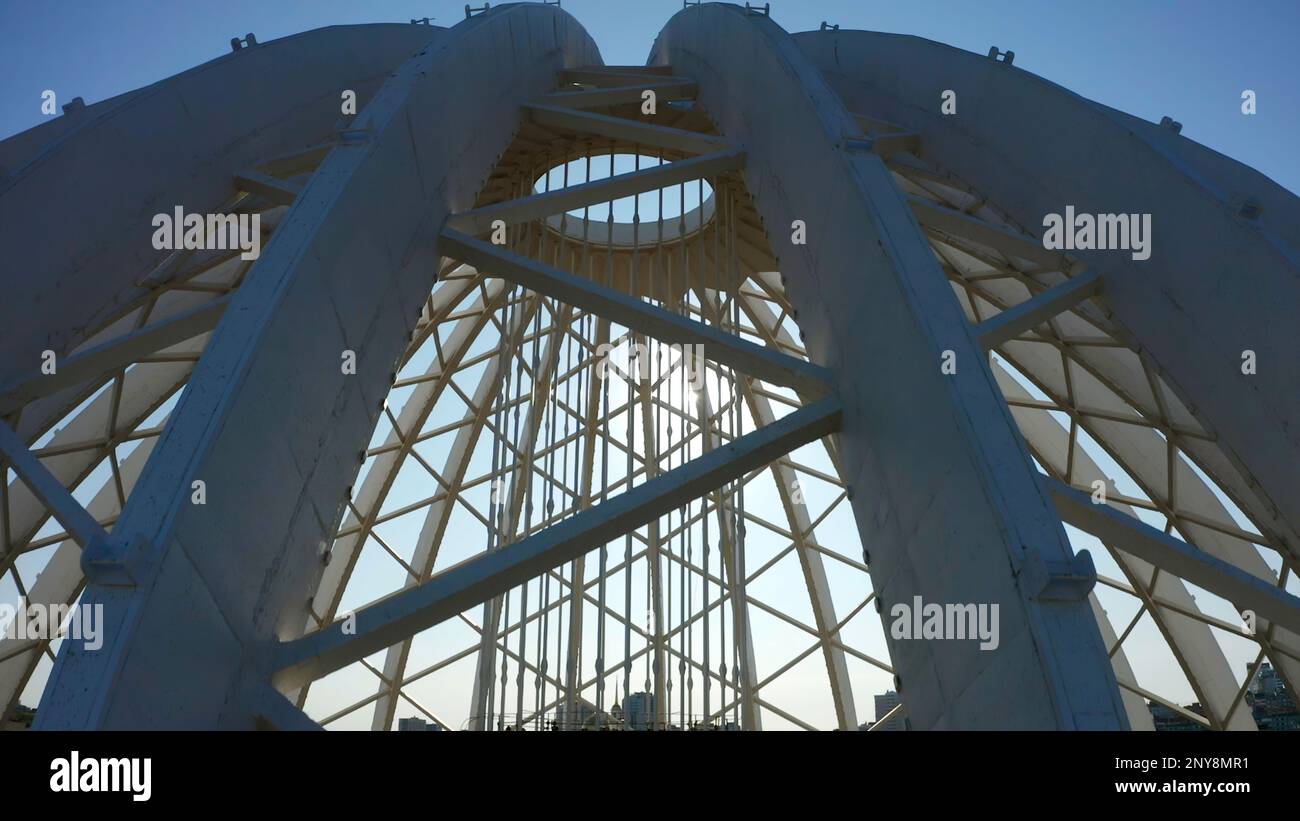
(1189, 59)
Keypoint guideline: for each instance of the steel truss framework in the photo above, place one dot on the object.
(598, 438)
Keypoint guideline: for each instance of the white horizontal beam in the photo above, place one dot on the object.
(759, 361)
(958, 224)
(489, 574)
(537, 206)
(1033, 312)
(274, 190)
(607, 76)
(887, 145)
(296, 162)
(911, 165)
(1244, 590)
(620, 128)
(113, 354)
(875, 125)
(622, 94)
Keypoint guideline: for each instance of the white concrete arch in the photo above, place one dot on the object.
(699, 554)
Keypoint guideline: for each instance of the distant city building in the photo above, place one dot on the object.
(409, 725)
(885, 703)
(1266, 681)
(639, 711)
(1271, 703)
(1167, 719)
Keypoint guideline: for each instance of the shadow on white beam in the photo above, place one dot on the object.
(619, 128)
(1034, 312)
(1244, 590)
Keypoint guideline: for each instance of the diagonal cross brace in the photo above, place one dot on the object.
(1244, 590)
(1034, 312)
(725, 348)
(79, 524)
(476, 580)
(114, 353)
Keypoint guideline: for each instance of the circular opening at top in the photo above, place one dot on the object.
(682, 208)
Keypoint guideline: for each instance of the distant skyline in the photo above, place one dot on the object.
(1186, 59)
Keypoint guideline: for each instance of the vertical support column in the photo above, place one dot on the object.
(751, 717)
(653, 554)
(270, 423)
(573, 654)
(522, 486)
(429, 540)
(942, 487)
